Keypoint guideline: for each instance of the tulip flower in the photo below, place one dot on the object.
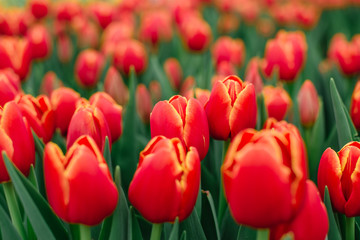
(16, 140)
(143, 102)
(112, 112)
(79, 185)
(174, 72)
(339, 171)
(64, 48)
(155, 91)
(345, 54)
(277, 102)
(88, 67)
(86, 32)
(39, 8)
(355, 106)
(63, 101)
(88, 120)
(252, 75)
(309, 104)
(130, 53)
(102, 12)
(9, 86)
(166, 181)
(285, 55)
(311, 222)
(184, 119)
(114, 34)
(49, 83)
(40, 41)
(271, 162)
(39, 114)
(231, 108)
(114, 86)
(65, 11)
(229, 50)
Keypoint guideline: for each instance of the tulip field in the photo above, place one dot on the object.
(192, 119)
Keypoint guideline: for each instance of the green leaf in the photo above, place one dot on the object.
(342, 124)
(246, 233)
(39, 166)
(208, 217)
(107, 155)
(32, 177)
(228, 226)
(334, 233)
(8, 230)
(174, 235)
(134, 228)
(183, 235)
(166, 88)
(45, 223)
(198, 204)
(193, 227)
(262, 112)
(354, 133)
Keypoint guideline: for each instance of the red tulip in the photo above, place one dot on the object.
(49, 83)
(79, 185)
(39, 8)
(155, 91)
(9, 86)
(40, 41)
(64, 48)
(231, 108)
(184, 119)
(115, 86)
(355, 106)
(111, 111)
(166, 181)
(277, 102)
(285, 55)
(88, 120)
(63, 101)
(102, 12)
(143, 102)
(88, 67)
(339, 171)
(309, 104)
(252, 75)
(270, 162)
(229, 50)
(202, 95)
(311, 222)
(174, 72)
(87, 32)
(65, 11)
(114, 34)
(39, 113)
(16, 140)
(130, 53)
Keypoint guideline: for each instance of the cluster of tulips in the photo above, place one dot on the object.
(193, 119)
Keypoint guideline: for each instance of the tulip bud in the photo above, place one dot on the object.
(49, 83)
(196, 33)
(224, 69)
(39, 8)
(165, 169)
(88, 67)
(184, 119)
(285, 54)
(63, 101)
(111, 111)
(253, 76)
(79, 185)
(130, 53)
(155, 91)
(102, 12)
(311, 222)
(64, 48)
(187, 87)
(277, 102)
(174, 72)
(65, 11)
(114, 34)
(271, 162)
(339, 171)
(202, 95)
(9, 86)
(40, 41)
(143, 103)
(86, 32)
(309, 105)
(88, 120)
(229, 50)
(231, 108)
(39, 113)
(115, 86)
(16, 140)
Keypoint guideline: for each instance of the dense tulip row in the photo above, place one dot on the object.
(180, 119)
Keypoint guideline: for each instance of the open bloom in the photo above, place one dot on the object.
(231, 107)
(16, 140)
(79, 185)
(340, 173)
(166, 181)
(9, 86)
(184, 119)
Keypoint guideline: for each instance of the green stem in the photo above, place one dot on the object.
(262, 234)
(14, 208)
(85, 232)
(349, 228)
(156, 231)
